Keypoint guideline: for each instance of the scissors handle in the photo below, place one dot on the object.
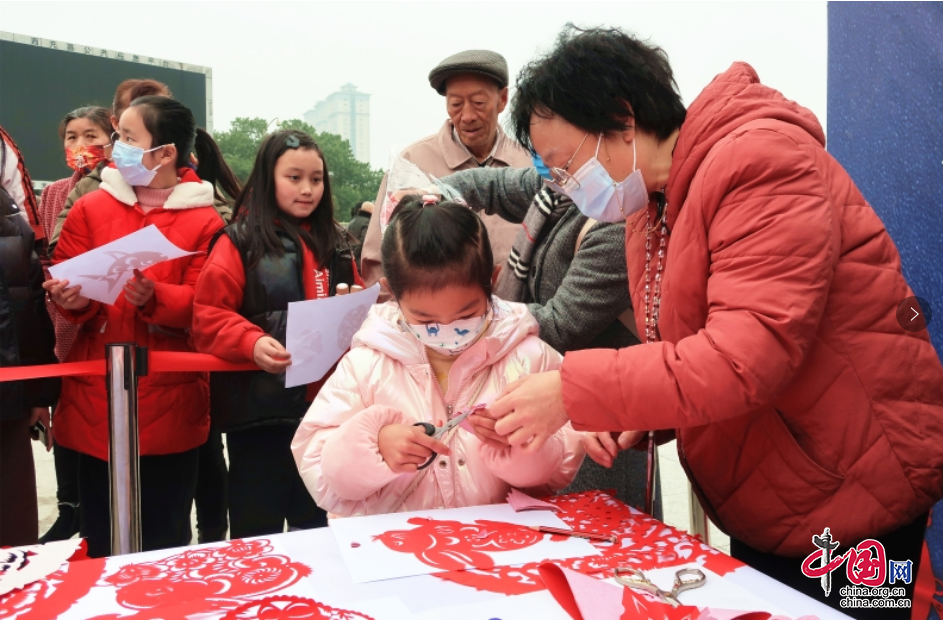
(687, 579)
(429, 430)
(636, 580)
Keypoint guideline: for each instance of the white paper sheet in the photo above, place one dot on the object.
(320, 331)
(365, 542)
(102, 272)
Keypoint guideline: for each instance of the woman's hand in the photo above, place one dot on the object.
(417, 191)
(269, 355)
(483, 428)
(138, 290)
(65, 297)
(530, 410)
(604, 447)
(405, 447)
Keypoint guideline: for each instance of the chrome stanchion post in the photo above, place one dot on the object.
(121, 377)
(699, 523)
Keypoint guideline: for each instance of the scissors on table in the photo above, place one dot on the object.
(685, 579)
(438, 432)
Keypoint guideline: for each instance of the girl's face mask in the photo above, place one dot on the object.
(130, 163)
(449, 339)
(84, 157)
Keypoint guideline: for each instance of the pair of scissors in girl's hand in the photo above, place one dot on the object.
(438, 432)
(685, 579)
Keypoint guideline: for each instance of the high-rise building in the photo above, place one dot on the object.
(347, 114)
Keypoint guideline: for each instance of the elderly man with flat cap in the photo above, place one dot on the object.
(475, 86)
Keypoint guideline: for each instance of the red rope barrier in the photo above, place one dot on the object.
(158, 361)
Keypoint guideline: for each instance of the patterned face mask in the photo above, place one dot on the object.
(450, 339)
(84, 157)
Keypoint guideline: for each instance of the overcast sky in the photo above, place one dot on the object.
(277, 59)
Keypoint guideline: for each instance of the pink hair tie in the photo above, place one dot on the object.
(429, 199)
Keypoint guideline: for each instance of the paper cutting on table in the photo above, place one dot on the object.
(303, 608)
(192, 582)
(103, 271)
(21, 566)
(425, 542)
(320, 331)
(644, 543)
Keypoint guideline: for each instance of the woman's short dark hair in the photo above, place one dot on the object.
(433, 246)
(96, 114)
(257, 206)
(588, 78)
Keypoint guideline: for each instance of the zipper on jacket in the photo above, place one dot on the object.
(449, 407)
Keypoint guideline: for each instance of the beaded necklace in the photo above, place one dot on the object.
(653, 292)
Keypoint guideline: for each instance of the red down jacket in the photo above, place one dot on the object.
(798, 400)
(173, 407)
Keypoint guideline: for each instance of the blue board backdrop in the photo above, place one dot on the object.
(885, 126)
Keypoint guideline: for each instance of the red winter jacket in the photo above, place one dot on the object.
(173, 407)
(218, 328)
(798, 400)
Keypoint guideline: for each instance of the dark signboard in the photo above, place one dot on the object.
(42, 80)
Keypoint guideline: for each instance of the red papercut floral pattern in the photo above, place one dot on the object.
(291, 608)
(216, 579)
(644, 543)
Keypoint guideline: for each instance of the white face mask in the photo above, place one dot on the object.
(450, 339)
(601, 198)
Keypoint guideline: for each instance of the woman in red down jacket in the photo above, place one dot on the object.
(149, 183)
(767, 287)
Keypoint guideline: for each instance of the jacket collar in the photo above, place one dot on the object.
(457, 157)
(190, 193)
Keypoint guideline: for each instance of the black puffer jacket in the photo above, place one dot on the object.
(242, 400)
(26, 334)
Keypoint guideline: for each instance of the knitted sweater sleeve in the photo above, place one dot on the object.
(505, 192)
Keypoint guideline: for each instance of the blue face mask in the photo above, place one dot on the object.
(129, 161)
(541, 167)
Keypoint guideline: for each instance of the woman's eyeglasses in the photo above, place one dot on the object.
(562, 178)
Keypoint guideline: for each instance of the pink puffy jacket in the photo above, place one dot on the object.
(386, 379)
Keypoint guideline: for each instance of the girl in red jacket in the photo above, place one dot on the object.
(148, 183)
(284, 246)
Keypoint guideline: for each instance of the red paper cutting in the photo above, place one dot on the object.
(291, 608)
(54, 595)
(456, 546)
(202, 581)
(644, 543)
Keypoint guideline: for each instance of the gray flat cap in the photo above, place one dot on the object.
(483, 62)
